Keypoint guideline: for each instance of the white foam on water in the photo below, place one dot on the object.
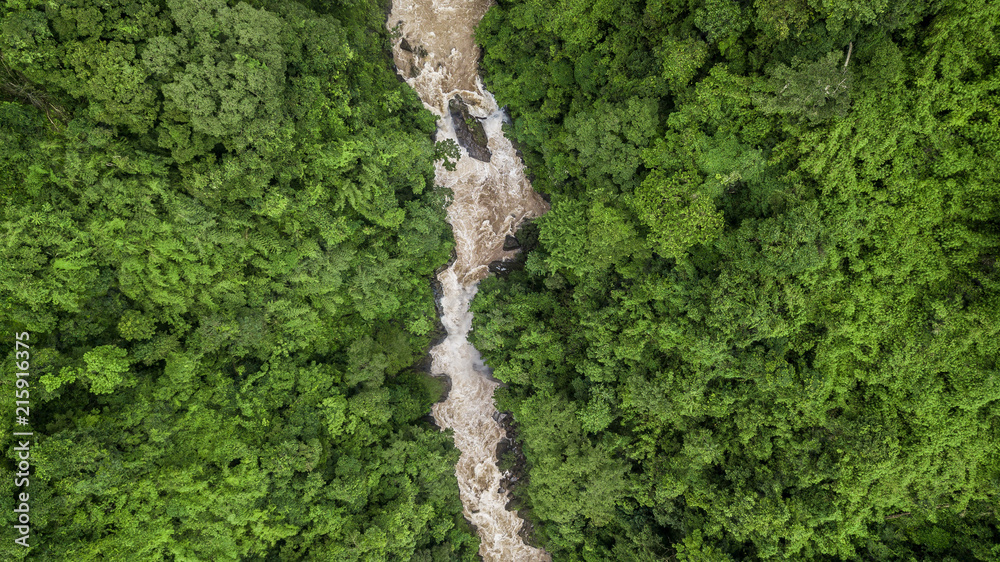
(490, 201)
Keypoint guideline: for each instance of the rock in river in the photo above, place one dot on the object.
(469, 130)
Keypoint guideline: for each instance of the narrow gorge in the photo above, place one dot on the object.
(436, 53)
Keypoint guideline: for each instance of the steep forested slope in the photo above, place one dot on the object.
(762, 319)
(218, 228)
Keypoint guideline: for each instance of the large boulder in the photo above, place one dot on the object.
(469, 130)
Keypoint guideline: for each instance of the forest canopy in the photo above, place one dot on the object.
(219, 226)
(761, 320)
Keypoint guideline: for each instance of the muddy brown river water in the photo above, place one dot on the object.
(490, 200)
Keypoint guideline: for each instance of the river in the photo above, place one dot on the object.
(490, 200)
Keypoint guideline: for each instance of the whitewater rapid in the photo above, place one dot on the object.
(490, 200)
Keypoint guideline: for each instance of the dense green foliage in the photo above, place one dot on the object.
(763, 318)
(219, 224)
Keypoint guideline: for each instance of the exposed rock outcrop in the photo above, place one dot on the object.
(469, 130)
